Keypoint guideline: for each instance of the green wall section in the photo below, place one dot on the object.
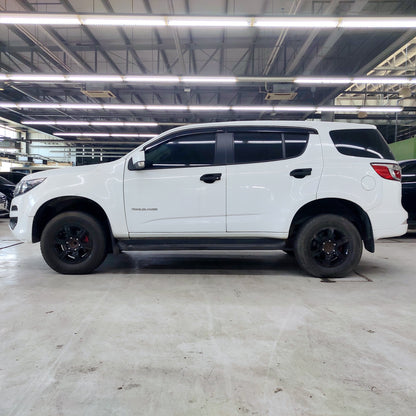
(405, 149)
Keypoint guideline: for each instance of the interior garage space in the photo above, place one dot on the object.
(207, 208)
(207, 333)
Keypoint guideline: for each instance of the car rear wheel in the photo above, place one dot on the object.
(73, 243)
(328, 246)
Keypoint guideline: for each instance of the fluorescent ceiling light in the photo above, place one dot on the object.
(343, 109)
(81, 106)
(123, 107)
(203, 22)
(191, 21)
(209, 80)
(37, 105)
(67, 123)
(151, 79)
(38, 19)
(167, 107)
(323, 80)
(124, 123)
(84, 134)
(36, 77)
(381, 109)
(209, 108)
(252, 108)
(296, 22)
(218, 80)
(92, 78)
(89, 123)
(120, 20)
(181, 108)
(355, 109)
(382, 80)
(294, 108)
(377, 22)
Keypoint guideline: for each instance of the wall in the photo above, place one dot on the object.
(405, 149)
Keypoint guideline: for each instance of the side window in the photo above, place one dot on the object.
(361, 143)
(251, 147)
(295, 144)
(190, 150)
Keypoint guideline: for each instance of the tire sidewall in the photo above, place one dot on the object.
(96, 234)
(310, 229)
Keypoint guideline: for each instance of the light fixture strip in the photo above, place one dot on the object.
(204, 80)
(84, 134)
(204, 22)
(89, 123)
(196, 108)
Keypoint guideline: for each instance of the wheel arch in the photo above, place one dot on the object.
(53, 207)
(337, 206)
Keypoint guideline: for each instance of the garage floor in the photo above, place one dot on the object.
(181, 334)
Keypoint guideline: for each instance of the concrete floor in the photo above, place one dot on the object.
(207, 334)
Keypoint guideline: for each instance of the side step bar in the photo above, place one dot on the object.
(154, 244)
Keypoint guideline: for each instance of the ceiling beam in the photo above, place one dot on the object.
(88, 32)
(126, 40)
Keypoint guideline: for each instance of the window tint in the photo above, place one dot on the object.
(189, 150)
(295, 144)
(250, 147)
(361, 143)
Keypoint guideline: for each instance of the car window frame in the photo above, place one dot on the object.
(217, 148)
(279, 130)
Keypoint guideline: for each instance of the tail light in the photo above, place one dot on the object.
(389, 171)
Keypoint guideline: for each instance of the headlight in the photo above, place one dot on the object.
(26, 185)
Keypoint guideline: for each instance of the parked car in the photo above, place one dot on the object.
(319, 189)
(7, 188)
(13, 177)
(3, 204)
(409, 189)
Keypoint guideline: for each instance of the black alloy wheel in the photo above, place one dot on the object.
(73, 243)
(328, 246)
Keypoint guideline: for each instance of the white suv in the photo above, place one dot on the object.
(316, 189)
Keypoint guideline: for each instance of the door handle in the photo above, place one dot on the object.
(210, 177)
(301, 173)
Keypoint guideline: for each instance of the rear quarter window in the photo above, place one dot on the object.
(361, 143)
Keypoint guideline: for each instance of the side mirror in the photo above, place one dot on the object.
(137, 161)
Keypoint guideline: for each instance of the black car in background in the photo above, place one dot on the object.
(14, 177)
(7, 188)
(409, 189)
(3, 205)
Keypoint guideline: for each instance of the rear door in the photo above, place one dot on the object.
(273, 174)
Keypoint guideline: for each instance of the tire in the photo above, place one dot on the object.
(73, 243)
(328, 246)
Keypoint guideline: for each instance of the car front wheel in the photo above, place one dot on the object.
(328, 246)
(73, 243)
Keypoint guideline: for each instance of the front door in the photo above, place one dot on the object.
(181, 189)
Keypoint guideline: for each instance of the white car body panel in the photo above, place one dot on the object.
(257, 205)
(102, 184)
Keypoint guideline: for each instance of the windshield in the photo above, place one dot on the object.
(4, 181)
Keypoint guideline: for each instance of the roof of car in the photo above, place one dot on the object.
(327, 125)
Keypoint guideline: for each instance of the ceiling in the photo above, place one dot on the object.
(265, 60)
